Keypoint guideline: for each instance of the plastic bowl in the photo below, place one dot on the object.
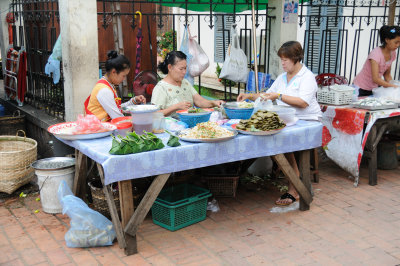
(193, 119)
(244, 113)
(287, 114)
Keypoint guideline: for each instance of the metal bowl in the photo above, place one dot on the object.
(53, 163)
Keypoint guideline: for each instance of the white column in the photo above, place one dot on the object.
(4, 40)
(280, 33)
(78, 25)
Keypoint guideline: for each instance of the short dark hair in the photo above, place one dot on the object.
(116, 61)
(291, 50)
(171, 59)
(388, 32)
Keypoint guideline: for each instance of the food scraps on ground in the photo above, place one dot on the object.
(262, 120)
(134, 143)
(206, 130)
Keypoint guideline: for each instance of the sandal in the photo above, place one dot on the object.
(286, 196)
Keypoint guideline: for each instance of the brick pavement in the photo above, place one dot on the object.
(345, 226)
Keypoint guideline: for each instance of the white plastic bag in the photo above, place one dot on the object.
(88, 228)
(390, 94)
(199, 62)
(235, 65)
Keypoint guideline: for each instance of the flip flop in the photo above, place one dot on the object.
(286, 196)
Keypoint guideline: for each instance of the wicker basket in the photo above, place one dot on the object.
(222, 186)
(9, 125)
(16, 156)
(99, 199)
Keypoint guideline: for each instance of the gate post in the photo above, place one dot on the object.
(80, 53)
(281, 31)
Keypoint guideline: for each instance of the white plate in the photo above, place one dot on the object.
(63, 131)
(205, 140)
(260, 133)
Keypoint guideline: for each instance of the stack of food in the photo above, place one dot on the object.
(206, 130)
(261, 121)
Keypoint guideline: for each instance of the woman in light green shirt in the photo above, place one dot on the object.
(175, 93)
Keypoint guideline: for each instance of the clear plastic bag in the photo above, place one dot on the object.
(390, 94)
(88, 228)
(185, 49)
(213, 206)
(200, 60)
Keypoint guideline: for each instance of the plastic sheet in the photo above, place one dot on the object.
(88, 228)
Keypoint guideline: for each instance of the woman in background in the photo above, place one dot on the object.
(104, 102)
(379, 62)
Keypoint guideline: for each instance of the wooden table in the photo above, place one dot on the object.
(305, 134)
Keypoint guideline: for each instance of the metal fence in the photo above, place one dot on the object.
(36, 27)
(338, 35)
(207, 26)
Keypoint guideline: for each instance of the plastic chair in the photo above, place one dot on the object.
(326, 79)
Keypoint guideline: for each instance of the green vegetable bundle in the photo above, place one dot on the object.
(134, 143)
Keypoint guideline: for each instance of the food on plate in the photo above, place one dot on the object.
(245, 105)
(88, 124)
(195, 110)
(207, 130)
(134, 143)
(373, 102)
(262, 120)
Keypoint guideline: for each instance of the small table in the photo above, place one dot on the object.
(348, 133)
(303, 136)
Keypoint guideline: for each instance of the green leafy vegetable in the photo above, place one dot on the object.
(134, 143)
(173, 140)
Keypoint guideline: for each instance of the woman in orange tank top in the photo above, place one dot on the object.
(104, 102)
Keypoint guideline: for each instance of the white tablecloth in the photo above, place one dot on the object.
(304, 135)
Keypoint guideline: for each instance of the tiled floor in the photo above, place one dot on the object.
(345, 226)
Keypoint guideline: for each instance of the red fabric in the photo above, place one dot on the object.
(21, 77)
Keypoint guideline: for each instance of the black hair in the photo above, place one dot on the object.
(388, 32)
(171, 59)
(116, 61)
(291, 50)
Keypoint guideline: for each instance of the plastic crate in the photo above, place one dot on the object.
(222, 186)
(239, 113)
(336, 94)
(179, 206)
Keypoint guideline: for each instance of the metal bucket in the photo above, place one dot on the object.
(50, 173)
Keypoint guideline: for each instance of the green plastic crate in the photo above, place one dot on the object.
(180, 206)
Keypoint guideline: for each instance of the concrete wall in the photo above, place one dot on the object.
(4, 6)
(78, 26)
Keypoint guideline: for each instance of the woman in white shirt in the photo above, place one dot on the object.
(296, 88)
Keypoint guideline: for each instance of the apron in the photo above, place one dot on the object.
(116, 98)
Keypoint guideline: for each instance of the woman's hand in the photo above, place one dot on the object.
(139, 99)
(183, 105)
(218, 103)
(269, 96)
(243, 96)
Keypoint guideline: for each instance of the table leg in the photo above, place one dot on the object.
(127, 208)
(371, 152)
(289, 172)
(79, 188)
(113, 209)
(146, 203)
(304, 167)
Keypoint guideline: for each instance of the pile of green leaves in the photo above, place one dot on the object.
(173, 140)
(134, 143)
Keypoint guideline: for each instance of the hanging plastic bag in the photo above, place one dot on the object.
(264, 82)
(88, 227)
(199, 62)
(235, 65)
(53, 63)
(185, 49)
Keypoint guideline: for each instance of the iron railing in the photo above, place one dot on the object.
(204, 25)
(338, 35)
(36, 28)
